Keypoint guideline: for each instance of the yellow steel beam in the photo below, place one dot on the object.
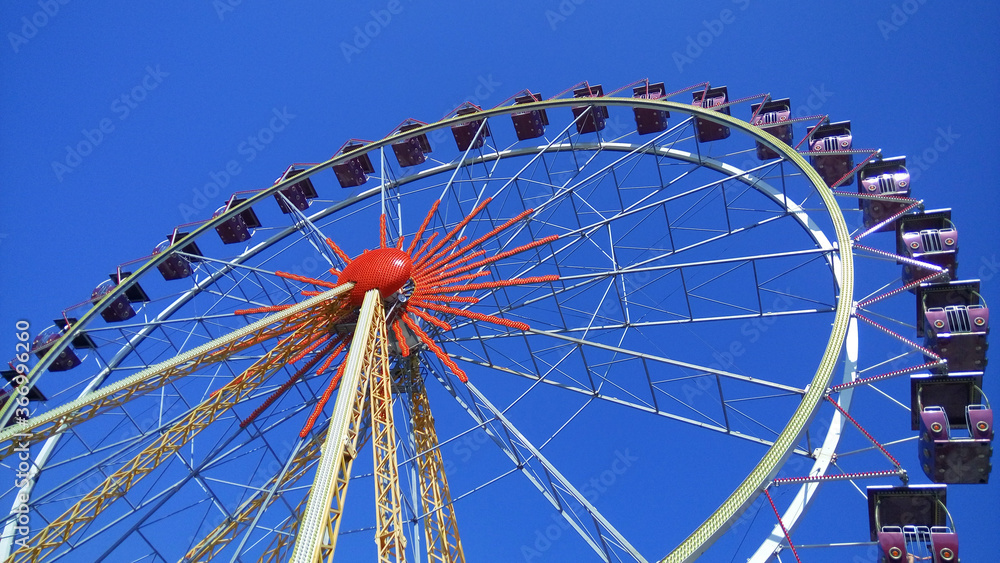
(440, 523)
(46, 424)
(60, 530)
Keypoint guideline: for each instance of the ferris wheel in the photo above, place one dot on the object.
(588, 316)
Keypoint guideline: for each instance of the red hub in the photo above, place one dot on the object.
(384, 269)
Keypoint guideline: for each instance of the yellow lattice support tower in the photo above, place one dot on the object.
(60, 530)
(366, 374)
(389, 522)
(440, 524)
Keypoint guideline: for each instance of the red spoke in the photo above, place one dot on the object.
(318, 409)
(423, 247)
(443, 256)
(442, 284)
(496, 231)
(451, 299)
(488, 285)
(336, 249)
(461, 225)
(871, 438)
(439, 273)
(433, 347)
(271, 309)
(316, 344)
(423, 226)
(505, 254)
(305, 279)
(471, 315)
(431, 319)
(332, 357)
(291, 381)
(397, 331)
(782, 524)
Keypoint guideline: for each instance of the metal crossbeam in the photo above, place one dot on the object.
(283, 538)
(227, 531)
(606, 541)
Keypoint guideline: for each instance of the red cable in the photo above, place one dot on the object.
(865, 432)
(782, 524)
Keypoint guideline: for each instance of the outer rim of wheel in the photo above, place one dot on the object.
(765, 470)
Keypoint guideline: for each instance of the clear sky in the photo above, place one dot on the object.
(119, 119)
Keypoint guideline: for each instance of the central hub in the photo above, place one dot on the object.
(384, 269)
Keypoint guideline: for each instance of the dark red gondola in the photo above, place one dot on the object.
(832, 167)
(412, 151)
(239, 227)
(771, 116)
(119, 309)
(649, 121)
(912, 521)
(529, 124)
(66, 360)
(590, 119)
(956, 427)
(705, 130)
(298, 194)
(883, 178)
(929, 237)
(955, 323)
(355, 171)
(468, 134)
(178, 266)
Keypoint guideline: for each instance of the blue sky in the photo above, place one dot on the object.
(122, 121)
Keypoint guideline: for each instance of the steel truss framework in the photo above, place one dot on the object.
(647, 235)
